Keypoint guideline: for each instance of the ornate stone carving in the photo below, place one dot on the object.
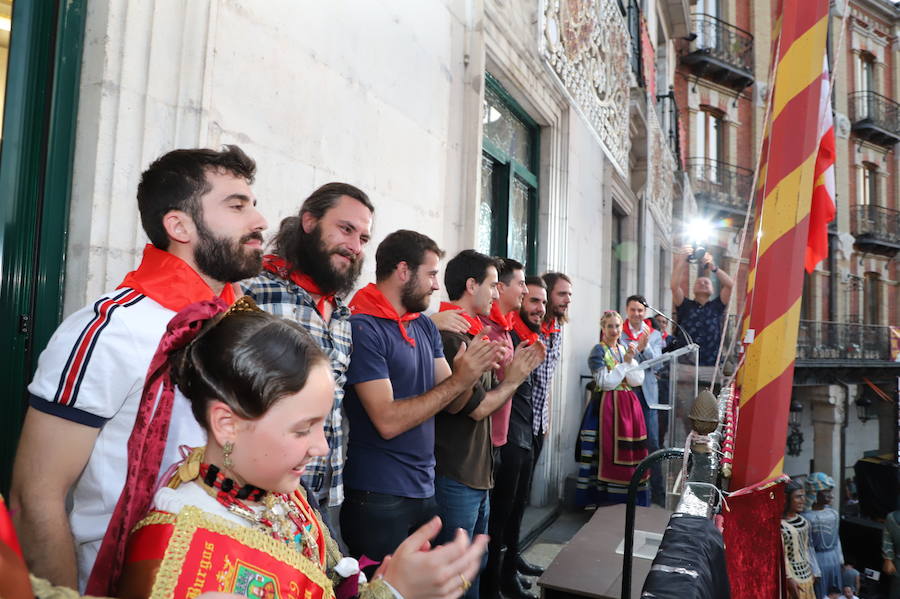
(661, 180)
(587, 46)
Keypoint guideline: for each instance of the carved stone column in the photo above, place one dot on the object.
(827, 414)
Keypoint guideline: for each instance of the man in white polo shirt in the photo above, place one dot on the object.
(199, 212)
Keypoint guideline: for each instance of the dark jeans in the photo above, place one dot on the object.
(374, 524)
(512, 483)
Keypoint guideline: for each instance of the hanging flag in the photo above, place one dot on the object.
(822, 210)
(787, 177)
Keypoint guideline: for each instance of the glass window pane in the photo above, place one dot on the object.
(517, 245)
(485, 207)
(504, 129)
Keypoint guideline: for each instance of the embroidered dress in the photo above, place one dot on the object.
(824, 537)
(192, 542)
(799, 557)
(611, 440)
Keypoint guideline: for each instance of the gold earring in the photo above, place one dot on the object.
(226, 451)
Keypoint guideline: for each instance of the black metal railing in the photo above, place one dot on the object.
(822, 340)
(876, 109)
(720, 183)
(732, 45)
(667, 110)
(876, 222)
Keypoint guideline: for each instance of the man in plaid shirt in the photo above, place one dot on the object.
(559, 294)
(317, 257)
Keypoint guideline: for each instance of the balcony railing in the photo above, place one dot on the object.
(875, 118)
(721, 52)
(667, 109)
(721, 184)
(820, 340)
(877, 228)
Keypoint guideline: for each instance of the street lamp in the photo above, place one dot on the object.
(795, 437)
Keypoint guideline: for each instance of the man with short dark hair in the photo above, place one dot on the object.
(513, 469)
(463, 450)
(200, 214)
(316, 260)
(397, 381)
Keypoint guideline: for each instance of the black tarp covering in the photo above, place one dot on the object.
(690, 563)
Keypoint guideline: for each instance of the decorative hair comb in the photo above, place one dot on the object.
(244, 303)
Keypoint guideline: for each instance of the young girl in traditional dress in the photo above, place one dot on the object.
(234, 517)
(824, 532)
(611, 442)
(799, 557)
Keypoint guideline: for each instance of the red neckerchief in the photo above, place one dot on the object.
(171, 282)
(548, 327)
(369, 300)
(282, 268)
(626, 329)
(521, 329)
(499, 317)
(475, 325)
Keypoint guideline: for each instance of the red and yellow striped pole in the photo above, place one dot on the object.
(775, 281)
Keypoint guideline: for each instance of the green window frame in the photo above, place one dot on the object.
(509, 187)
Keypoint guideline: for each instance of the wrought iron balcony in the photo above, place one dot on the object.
(876, 229)
(720, 185)
(667, 109)
(875, 118)
(720, 52)
(843, 342)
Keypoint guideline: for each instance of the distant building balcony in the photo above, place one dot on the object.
(841, 343)
(719, 185)
(720, 52)
(875, 118)
(876, 229)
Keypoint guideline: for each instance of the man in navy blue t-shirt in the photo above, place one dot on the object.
(397, 381)
(702, 317)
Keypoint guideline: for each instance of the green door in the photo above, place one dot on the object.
(40, 48)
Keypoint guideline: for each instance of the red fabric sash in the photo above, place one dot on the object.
(171, 282)
(645, 327)
(499, 317)
(147, 443)
(475, 325)
(7, 531)
(283, 269)
(371, 301)
(548, 327)
(521, 329)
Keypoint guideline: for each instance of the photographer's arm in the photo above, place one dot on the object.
(678, 268)
(726, 285)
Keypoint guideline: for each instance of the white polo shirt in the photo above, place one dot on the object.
(92, 372)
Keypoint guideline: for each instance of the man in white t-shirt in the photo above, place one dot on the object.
(199, 212)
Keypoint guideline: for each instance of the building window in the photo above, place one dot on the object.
(865, 82)
(507, 213)
(867, 184)
(873, 305)
(617, 238)
(709, 145)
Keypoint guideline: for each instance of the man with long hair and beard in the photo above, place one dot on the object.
(199, 212)
(316, 259)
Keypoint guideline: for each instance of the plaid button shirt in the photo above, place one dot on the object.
(543, 374)
(325, 475)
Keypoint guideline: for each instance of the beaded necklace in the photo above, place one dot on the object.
(281, 516)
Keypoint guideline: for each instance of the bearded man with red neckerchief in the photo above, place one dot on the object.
(199, 212)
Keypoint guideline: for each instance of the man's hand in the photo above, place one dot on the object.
(450, 321)
(476, 359)
(889, 568)
(526, 359)
(793, 589)
(642, 341)
(708, 261)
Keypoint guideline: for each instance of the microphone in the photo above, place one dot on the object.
(687, 337)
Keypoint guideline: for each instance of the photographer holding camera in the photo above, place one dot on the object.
(702, 317)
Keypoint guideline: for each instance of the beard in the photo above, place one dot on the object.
(310, 256)
(560, 313)
(534, 328)
(224, 259)
(413, 299)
